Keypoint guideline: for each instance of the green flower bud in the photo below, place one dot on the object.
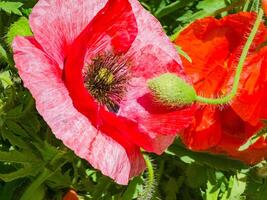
(171, 90)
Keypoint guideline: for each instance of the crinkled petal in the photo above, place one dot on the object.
(251, 104)
(221, 43)
(56, 23)
(205, 131)
(150, 43)
(43, 77)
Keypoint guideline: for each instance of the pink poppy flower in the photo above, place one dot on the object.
(87, 67)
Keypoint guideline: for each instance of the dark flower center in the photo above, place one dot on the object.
(106, 78)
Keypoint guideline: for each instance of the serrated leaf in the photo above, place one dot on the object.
(11, 7)
(18, 28)
(14, 140)
(212, 191)
(17, 157)
(238, 186)
(59, 179)
(25, 171)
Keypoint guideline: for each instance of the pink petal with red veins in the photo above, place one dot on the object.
(152, 37)
(56, 23)
(42, 77)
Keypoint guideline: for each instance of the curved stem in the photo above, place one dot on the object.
(239, 69)
(150, 182)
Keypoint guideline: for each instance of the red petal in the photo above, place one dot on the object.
(251, 104)
(234, 133)
(220, 42)
(205, 132)
(42, 77)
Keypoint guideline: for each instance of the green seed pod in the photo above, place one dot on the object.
(171, 90)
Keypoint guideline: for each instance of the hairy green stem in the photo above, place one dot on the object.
(150, 182)
(239, 69)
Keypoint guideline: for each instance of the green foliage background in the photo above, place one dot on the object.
(36, 166)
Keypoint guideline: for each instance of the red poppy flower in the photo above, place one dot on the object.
(87, 67)
(215, 47)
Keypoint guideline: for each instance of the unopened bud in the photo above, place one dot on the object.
(171, 90)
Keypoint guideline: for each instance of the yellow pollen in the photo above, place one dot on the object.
(106, 75)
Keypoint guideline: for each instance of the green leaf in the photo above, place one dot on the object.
(11, 7)
(131, 190)
(17, 157)
(101, 187)
(212, 191)
(210, 6)
(18, 28)
(214, 161)
(38, 194)
(27, 170)
(196, 175)
(14, 140)
(256, 190)
(172, 187)
(166, 10)
(238, 186)
(3, 54)
(5, 78)
(9, 189)
(207, 8)
(34, 187)
(16, 129)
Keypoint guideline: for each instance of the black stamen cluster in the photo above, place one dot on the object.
(106, 79)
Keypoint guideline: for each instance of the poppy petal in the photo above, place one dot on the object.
(251, 104)
(44, 79)
(56, 23)
(228, 35)
(205, 131)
